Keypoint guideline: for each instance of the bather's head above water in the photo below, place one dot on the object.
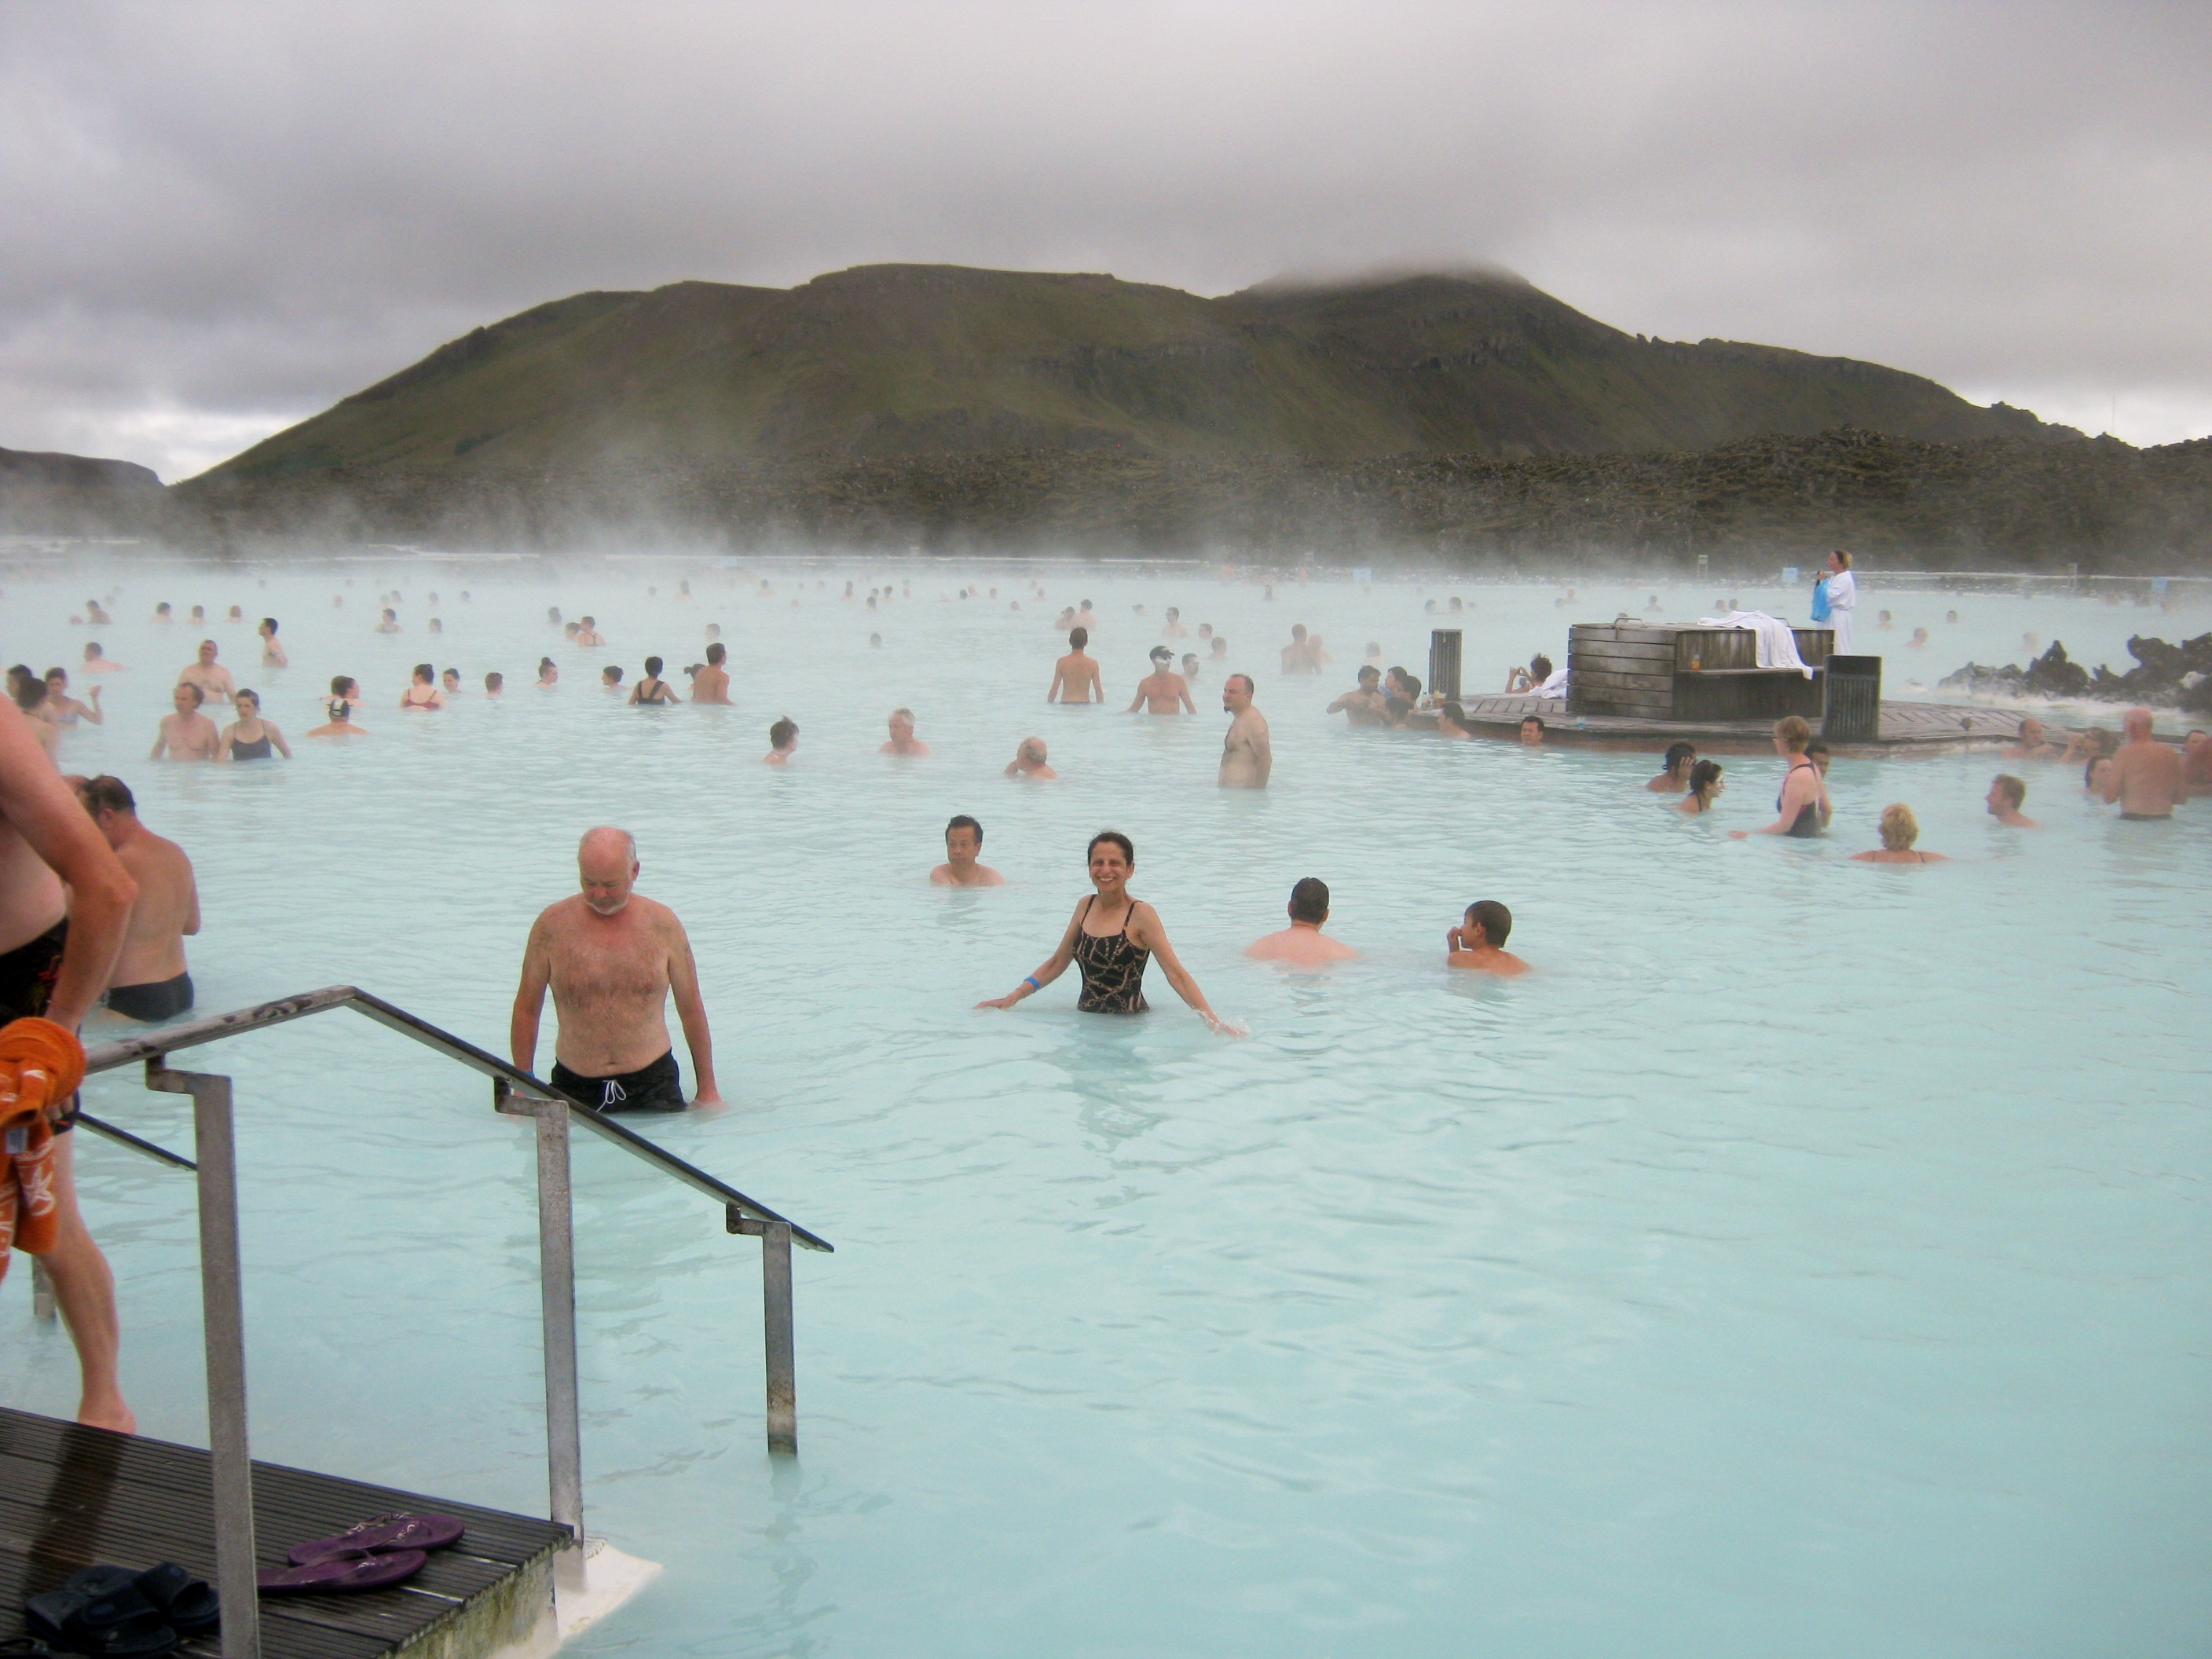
(606, 868)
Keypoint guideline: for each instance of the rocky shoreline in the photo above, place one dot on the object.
(2164, 676)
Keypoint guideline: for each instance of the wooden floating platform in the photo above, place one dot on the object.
(1906, 727)
(72, 1497)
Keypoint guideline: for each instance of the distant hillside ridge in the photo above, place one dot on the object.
(76, 496)
(887, 361)
(1997, 503)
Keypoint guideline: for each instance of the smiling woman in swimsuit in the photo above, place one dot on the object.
(250, 737)
(422, 693)
(1109, 938)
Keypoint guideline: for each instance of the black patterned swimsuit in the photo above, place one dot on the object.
(1113, 968)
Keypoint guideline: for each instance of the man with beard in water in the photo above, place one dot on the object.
(610, 957)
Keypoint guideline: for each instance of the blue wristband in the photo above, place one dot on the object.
(1030, 980)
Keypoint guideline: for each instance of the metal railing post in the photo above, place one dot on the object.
(42, 1289)
(557, 1292)
(223, 1317)
(776, 1322)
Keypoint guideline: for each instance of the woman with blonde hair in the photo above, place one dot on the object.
(1900, 829)
(1802, 807)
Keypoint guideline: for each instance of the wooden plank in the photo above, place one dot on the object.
(1652, 688)
(70, 1497)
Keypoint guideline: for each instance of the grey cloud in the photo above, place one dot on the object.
(221, 217)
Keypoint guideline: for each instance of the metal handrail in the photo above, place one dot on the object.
(130, 1051)
(514, 1091)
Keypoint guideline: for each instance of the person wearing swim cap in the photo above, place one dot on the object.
(1162, 691)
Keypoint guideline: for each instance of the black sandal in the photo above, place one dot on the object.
(121, 1624)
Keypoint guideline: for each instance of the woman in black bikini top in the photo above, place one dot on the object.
(652, 687)
(1790, 735)
(1113, 964)
(237, 746)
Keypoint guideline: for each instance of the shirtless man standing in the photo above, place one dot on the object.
(186, 735)
(212, 678)
(611, 957)
(902, 740)
(712, 682)
(1303, 943)
(963, 843)
(1245, 755)
(2146, 774)
(1075, 676)
(1162, 691)
(1366, 705)
(150, 980)
(56, 947)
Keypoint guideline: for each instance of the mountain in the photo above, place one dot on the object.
(889, 361)
(74, 495)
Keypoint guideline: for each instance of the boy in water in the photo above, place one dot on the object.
(1479, 942)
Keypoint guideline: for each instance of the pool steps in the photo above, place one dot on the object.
(588, 1578)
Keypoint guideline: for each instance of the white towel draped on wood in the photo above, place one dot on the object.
(1777, 644)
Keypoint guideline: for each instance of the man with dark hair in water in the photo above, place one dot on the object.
(1303, 943)
(65, 903)
(1531, 732)
(151, 980)
(612, 958)
(1674, 778)
(187, 734)
(782, 739)
(1075, 677)
(712, 682)
(2006, 797)
(1364, 705)
(1479, 942)
(963, 842)
(1162, 691)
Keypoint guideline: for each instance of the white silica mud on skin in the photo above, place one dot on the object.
(1807, 1257)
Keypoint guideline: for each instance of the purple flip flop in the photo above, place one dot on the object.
(336, 1575)
(379, 1536)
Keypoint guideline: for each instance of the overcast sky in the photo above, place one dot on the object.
(217, 219)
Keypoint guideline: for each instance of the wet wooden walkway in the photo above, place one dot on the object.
(1913, 727)
(72, 1497)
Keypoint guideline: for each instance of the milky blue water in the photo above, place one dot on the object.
(1806, 1258)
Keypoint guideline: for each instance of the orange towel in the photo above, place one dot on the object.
(40, 1067)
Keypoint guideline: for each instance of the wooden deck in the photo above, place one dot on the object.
(1909, 728)
(72, 1497)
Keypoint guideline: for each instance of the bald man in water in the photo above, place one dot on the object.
(2146, 774)
(611, 957)
(1247, 759)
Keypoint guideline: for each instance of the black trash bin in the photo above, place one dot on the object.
(1851, 703)
(1443, 663)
